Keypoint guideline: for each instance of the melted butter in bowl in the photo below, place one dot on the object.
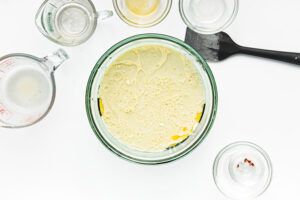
(142, 7)
(142, 13)
(151, 98)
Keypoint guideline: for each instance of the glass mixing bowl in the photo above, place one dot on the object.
(119, 148)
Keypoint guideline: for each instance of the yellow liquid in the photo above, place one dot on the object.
(142, 7)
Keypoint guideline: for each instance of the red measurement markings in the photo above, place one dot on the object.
(5, 115)
(1, 72)
(32, 119)
(2, 110)
(6, 64)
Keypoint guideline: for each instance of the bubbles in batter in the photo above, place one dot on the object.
(151, 98)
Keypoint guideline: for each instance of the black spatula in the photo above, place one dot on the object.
(220, 46)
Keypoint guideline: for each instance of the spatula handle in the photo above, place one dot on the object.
(276, 55)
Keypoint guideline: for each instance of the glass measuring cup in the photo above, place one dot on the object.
(69, 22)
(27, 87)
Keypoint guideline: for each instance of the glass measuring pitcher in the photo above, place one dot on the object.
(69, 22)
(27, 87)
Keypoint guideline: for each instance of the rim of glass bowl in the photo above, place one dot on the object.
(189, 49)
(249, 144)
(213, 31)
(131, 23)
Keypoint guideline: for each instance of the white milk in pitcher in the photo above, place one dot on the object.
(27, 89)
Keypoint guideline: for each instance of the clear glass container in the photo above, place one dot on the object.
(136, 16)
(68, 22)
(27, 87)
(208, 16)
(122, 150)
(242, 170)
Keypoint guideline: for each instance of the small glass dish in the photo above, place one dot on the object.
(242, 170)
(169, 154)
(208, 16)
(145, 19)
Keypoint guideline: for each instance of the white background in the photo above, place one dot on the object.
(61, 158)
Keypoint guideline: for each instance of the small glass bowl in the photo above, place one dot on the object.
(142, 21)
(208, 16)
(119, 148)
(242, 170)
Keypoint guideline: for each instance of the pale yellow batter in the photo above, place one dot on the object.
(151, 97)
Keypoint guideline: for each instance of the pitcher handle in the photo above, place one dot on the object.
(104, 14)
(55, 59)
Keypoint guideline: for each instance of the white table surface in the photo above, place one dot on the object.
(61, 158)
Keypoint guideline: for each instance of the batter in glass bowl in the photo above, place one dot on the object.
(151, 98)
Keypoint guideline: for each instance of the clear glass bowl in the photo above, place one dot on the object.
(122, 150)
(208, 16)
(242, 170)
(142, 21)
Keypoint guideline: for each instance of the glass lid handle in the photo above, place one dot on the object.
(55, 59)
